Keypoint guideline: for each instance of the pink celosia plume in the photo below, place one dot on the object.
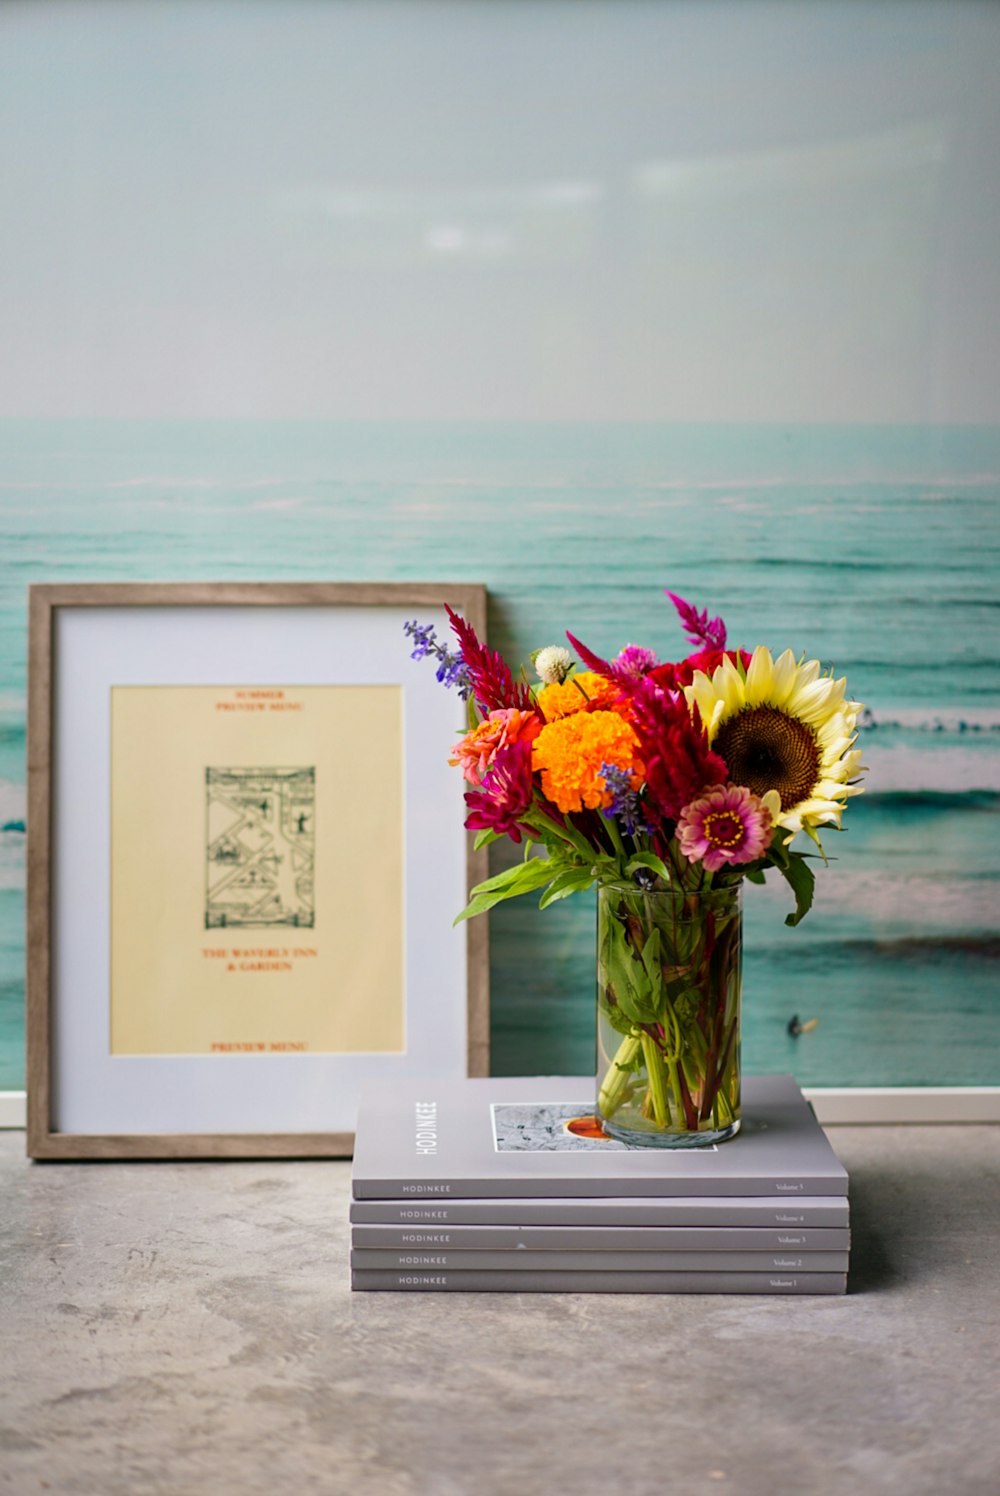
(703, 632)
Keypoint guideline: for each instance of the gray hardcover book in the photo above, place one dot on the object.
(600, 1239)
(497, 1282)
(615, 1262)
(610, 1210)
(534, 1137)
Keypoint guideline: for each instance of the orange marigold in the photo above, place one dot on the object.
(582, 692)
(571, 752)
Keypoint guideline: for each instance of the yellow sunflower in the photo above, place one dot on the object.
(786, 732)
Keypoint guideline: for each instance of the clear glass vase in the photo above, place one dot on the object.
(669, 976)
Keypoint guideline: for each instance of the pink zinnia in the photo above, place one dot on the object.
(727, 826)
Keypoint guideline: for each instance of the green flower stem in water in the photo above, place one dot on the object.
(668, 1013)
(657, 1080)
(675, 1086)
(612, 1092)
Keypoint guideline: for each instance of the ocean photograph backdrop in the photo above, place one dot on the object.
(874, 548)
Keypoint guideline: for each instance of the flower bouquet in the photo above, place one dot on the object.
(665, 783)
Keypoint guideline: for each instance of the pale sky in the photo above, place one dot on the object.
(548, 209)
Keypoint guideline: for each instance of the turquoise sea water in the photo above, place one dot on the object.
(877, 549)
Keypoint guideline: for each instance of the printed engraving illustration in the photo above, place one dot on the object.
(260, 847)
(548, 1127)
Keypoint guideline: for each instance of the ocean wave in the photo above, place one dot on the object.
(957, 719)
(150, 480)
(921, 487)
(806, 564)
(855, 902)
(12, 861)
(165, 480)
(13, 802)
(913, 950)
(919, 770)
(932, 486)
(976, 800)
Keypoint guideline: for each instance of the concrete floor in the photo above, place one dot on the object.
(187, 1328)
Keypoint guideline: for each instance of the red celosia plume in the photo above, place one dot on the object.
(673, 745)
(492, 683)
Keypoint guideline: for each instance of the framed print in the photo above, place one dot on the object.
(245, 854)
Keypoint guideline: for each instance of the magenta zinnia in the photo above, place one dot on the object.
(505, 792)
(727, 826)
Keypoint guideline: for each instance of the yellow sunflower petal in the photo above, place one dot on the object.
(836, 730)
(852, 762)
(816, 702)
(835, 750)
(729, 683)
(819, 811)
(784, 679)
(805, 674)
(773, 802)
(829, 789)
(701, 693)
(760, 676)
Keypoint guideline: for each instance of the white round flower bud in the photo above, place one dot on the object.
(553, 664)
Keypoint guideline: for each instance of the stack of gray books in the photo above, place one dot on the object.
(510, 1186)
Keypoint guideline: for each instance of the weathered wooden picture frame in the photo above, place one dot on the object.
(136, 931)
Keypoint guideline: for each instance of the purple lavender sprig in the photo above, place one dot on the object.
(624, 799)
(451, 669)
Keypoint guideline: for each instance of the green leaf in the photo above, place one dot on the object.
(524, 877)
(651, 861)
(778, 853)
(651, 958)
(618, 1020)
(813, 836)
(535, 872)
(802, 881)
(485, 838)
(628, 977)
(755, 875)
(573, 880)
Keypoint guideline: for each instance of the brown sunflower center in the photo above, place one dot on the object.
(767, 750)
